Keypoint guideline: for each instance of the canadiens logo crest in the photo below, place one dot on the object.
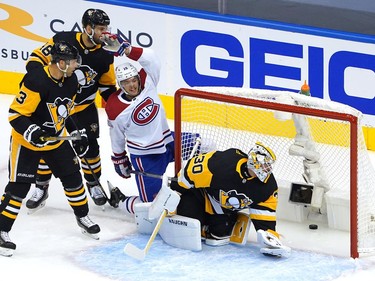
(145, 112)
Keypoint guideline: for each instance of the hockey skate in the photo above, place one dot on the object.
(115, 195)
(7, 247)
(212, 240)
(38, 199)
(97, 194)
(88, 227)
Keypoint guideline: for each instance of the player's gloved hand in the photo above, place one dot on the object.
(36, 136)
(82, 145)
(122, 165)
(114, 44)
(271, 244)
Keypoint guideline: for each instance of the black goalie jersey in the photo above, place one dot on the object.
(43, 101)
(96, 72)
(227, 186)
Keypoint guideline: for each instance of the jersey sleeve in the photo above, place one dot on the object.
(22, 107)
(107, 82)
(149, 62)
(263, 214)
(41, 56)
(117, 136)
(196, 173)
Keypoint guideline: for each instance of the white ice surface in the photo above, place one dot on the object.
(50, 245)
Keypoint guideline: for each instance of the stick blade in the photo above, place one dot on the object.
(134, 252)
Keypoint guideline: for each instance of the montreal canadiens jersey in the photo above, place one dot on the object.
(141, 123)
(226, 183)
(43, 101)
(96, 72)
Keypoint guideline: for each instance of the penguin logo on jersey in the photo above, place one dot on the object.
(86, 77)
(233, 200)
(145, 112)
(59, 110)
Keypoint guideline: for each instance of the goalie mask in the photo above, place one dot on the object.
(260, 161)
(124, 72)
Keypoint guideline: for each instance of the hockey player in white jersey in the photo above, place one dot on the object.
(137, 120)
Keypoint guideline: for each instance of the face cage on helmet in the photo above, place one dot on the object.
(259, 165)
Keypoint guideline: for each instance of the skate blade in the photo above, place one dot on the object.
(32, 211)
(6, 252)
(91, 235)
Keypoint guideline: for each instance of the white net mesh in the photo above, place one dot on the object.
(226, 124)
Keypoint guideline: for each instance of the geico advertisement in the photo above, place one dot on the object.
(202, 52)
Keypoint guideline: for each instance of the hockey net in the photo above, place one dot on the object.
(316, 141)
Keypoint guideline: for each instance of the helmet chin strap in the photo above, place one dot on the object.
(91, 36)
(63, 70)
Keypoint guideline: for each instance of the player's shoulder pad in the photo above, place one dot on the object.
(114, 106)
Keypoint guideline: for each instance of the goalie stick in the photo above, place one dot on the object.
(141, 173)
(139, 254)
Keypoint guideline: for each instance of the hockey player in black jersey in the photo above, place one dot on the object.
(216, 187)
(95, 74)
(38, 116)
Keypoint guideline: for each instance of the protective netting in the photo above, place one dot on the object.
(324, 142)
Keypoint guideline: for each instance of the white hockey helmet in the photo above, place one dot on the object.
(125, 71)
(260, 161)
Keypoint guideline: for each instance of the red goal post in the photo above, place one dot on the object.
(211, 112)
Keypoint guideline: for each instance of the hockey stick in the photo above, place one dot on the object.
(96, 179)
(132, 250)
(140, 254)
(155, 176)
(57, 138)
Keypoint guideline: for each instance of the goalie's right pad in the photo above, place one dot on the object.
(271, 244)
(166, 199)
(241, 229)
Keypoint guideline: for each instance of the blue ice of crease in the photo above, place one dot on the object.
(230, 262)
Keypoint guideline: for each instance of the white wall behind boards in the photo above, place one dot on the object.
(199, 49)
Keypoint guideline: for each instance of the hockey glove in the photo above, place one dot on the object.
(80, 146)
(271, 245)
(35, 135)
(122, 165)
(115, 44)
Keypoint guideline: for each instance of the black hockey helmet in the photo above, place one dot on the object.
(62, 50)
(94, 17)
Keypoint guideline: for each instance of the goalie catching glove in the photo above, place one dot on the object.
(82, 145)
(271, 244)
(122, 165)
(115, 44)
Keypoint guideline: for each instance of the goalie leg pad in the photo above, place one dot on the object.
(182, 232)
(241, 229)
(144, 224)
(271, 244)
(167, 199)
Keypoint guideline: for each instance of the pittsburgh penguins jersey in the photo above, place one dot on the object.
(227, 185)
(43, 101)
(96, 72)
(139, 123)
